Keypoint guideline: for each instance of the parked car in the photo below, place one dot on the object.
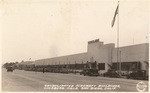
(111, 73)
(10, 69)
(90, 72)
(64, 70)
(138, 74)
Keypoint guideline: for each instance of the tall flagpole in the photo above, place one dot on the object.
(118, 40)
(113, 21)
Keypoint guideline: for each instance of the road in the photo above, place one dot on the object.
(29, 81)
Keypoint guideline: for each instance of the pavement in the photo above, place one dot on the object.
(30, 81)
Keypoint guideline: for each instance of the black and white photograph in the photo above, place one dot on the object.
(74, 45)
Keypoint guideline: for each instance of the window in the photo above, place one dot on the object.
(101, 66)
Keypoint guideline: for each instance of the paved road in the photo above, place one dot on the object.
(23, 81)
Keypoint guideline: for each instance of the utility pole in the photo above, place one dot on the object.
(120, 61)
(75, 67)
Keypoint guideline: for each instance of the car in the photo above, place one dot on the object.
(111, 73)
(9, 69)
(138, 74)
(90, 72)
(64, 70)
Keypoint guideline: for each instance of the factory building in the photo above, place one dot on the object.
(25, 65)
(103, 56)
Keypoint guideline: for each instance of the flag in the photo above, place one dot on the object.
(116, 12)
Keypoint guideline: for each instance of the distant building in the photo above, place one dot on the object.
(25, 65)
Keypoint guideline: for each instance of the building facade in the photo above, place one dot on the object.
(105, 56)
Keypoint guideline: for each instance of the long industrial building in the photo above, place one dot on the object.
(104, 55)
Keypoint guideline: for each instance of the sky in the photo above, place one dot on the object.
(40, 29)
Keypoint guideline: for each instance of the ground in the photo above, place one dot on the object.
(25, 81)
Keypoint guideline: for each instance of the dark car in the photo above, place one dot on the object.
(64, 70)
(90, 72)
(111, 73)
(9, 69)
(138, 74)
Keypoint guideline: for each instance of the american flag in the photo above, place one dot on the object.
(116, 12)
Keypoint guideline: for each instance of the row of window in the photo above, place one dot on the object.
(125, 66)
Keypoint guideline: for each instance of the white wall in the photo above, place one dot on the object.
(70, 59)
(132, 53)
